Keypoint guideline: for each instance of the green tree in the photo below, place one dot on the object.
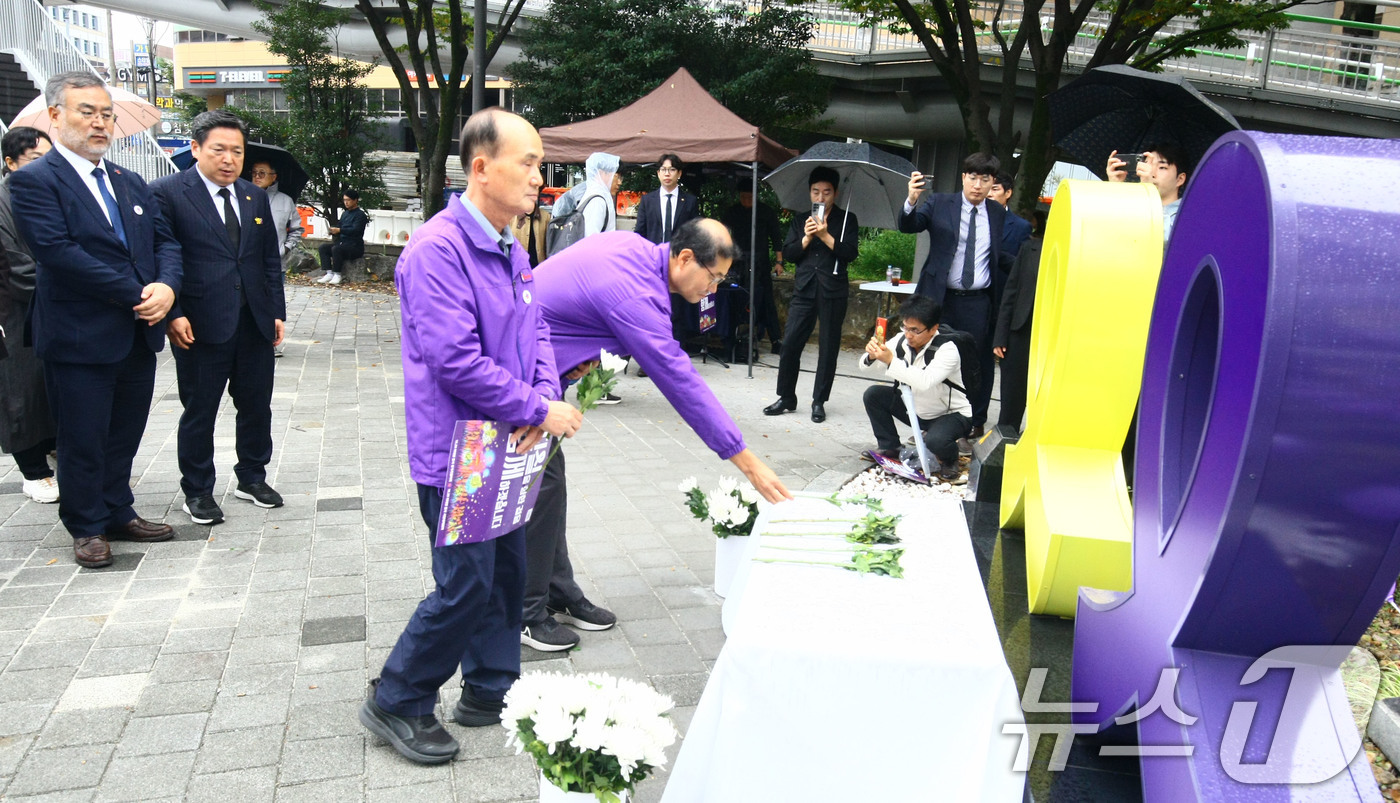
(437, 43)
(329, 128)
(962, 36)
(589, 57)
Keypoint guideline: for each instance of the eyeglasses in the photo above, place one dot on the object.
(264, 173)
(915, 332)
(667, 170)
(107, 115)
(715, 281)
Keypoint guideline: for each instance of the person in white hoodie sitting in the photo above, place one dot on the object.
(934, 371)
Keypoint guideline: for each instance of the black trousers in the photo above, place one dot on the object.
(803, 315)
(471, 619)
(1015, 371)
(333, 257)
(549, 575)
(244, 364)
(101, 411)
(765, 309)
(884, 404)
(33, 462)
(973, 314)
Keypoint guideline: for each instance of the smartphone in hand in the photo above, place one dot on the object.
(819, 212)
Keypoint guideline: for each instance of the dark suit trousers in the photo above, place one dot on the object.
(973, 314)
(243, 364)
(765, 310)
(471, 618)
(334, 257)
(1015, 371)
(101, 414)
(549, 575)
(884, 403)
(803, 314)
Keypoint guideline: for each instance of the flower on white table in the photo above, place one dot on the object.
(748, 494)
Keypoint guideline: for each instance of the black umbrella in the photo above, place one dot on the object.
(291, 178)
(1124, 109)
(874, 184)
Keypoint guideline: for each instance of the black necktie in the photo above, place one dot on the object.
(970, 252)
(231, 219)
(113, 210)
(666, 226)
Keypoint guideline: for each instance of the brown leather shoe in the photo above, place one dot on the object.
(142, 531)
(92, 552)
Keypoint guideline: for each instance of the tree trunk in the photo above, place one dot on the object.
(1038, 155)
(434, 175)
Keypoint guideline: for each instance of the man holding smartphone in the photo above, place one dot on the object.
(1164, 166)
(821, 245)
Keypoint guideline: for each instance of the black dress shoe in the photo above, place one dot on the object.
(259, 493)
(421, 740)
(472, 712)
(140, 531)
(779, 407)
(818, 412)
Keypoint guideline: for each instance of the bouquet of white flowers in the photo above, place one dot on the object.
(590, 733)
(731, 508)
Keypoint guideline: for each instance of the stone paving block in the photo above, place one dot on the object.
(205, 639)
(258, 679)
(252, 785)
(339, 503)
(642, 606)
(165, 734)
(119, 661)
(651, 631)
(674, 576)
(155, 588)
(509, 778)
(180, 697)
(319, 759)
(391, 610)
(603, 656)
(232, 712)
(146, 610)
(85, 582)
(286, 580)
(319, 721)
(337, 790)
(122, 562)
(703, 618)
(53, 653)
(248, 650)
(189, 666)
(21, 718)
(29, 596)
(415, 793)
(674, 597)
(22, 618)
(59, 769)
(336, 587)
(36, 685)
(145, 777)
(166, 567)
(249, 747)
(329, 687)
(668, 659)
(611, 587)
(342, 607)
(334, 656)
(131, 635)
(12, 750)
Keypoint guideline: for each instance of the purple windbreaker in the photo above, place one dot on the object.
(474, 343)
(610, 291)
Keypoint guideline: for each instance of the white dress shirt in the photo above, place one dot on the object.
(219, 199)
(982, 275)
(84, 167)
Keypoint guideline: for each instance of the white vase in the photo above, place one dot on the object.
(549, 793)
(728, 553)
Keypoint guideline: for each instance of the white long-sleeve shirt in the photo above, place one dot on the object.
(925, 371)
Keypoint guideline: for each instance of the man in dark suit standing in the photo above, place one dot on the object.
(662, 211)
(1016, 229)
(108, 273)
(820, 247)
(229, 315)
(966, 267)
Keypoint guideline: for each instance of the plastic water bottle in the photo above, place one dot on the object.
(892, 275)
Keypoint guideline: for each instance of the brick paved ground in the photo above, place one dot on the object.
(228, 664)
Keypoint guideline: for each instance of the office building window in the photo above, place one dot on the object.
(65, 15)
(97, 49)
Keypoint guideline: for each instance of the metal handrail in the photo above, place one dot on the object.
(43, 50)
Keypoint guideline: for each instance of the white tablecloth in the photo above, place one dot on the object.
(845, 687)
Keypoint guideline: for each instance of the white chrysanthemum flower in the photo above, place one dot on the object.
(728, 485)
(687, 485)
(749, 494)
(553, 725)
(611, 362)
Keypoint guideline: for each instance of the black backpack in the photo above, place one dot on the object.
(967, 357)
(565, 230)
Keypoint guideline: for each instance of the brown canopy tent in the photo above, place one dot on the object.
(677, 117)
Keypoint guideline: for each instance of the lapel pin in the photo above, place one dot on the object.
(138, 210)
(247, 197)
(257, 220)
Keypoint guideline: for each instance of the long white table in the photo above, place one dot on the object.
(845, 687)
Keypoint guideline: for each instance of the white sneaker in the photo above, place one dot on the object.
(335, 279)
(44, 491)
(325, 277)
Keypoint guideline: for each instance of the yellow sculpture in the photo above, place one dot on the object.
(1063, 481)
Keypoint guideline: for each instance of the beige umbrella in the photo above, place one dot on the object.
(134, 115)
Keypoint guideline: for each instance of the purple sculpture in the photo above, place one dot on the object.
(1268, 478)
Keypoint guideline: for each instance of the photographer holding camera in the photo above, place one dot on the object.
(1165, 166)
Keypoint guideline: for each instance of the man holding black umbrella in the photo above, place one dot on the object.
(1164, 166)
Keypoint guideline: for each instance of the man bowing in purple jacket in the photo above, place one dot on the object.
(613, 291)
(474, 347)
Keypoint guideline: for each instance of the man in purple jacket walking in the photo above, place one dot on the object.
(474, 347)
(613, 291)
